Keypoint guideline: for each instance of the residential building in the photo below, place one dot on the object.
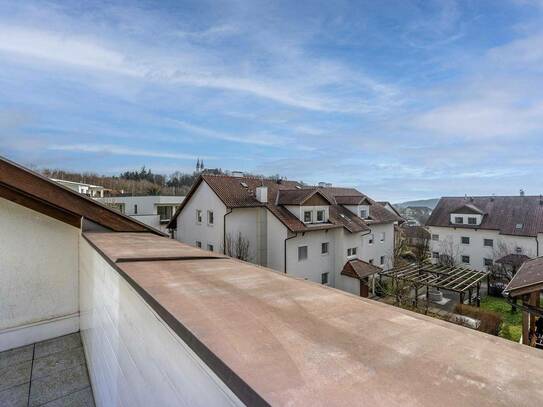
(416, 215)
(153, 210)
(397, 225)
(304, 231)
(480, 231)
(94, 191)
(166, 324)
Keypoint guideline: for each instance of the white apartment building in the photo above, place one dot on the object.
(334, 236)
(479, 231)
(152, 210)
(94, 191)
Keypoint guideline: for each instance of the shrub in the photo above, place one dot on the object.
(490, 321)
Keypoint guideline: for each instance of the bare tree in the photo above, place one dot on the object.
(237, 247)
(420, 246)
(450, 252)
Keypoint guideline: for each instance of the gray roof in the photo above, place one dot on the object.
(501, 213)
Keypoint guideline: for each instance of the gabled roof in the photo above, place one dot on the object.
(357, 268)
(34, 191)
(529, 277)
(468, 209)
(239, 192)
(501, 213)
(352, 200)
(513, 259)
(298, 196)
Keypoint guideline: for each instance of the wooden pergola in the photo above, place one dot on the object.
(457, 278)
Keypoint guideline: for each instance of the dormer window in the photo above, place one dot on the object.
(320, 215)
(308, 216)
(459, 219)
(363, 213)
(519, 225)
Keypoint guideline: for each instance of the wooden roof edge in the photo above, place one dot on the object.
(37, 192)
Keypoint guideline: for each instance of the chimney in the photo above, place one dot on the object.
(521, 192)
(262, 194)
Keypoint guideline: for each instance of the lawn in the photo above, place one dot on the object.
(512, 322)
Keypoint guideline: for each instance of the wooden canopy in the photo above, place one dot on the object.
(458, 279)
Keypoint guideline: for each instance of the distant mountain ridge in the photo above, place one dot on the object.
(430, 203)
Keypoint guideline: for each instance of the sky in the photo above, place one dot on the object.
(400, 99)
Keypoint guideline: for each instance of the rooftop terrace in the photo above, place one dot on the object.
(273, 339)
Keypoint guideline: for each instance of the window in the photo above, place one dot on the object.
(198, 216)
(383, 236)
(198, 244)
(324, 278)
(164, 212)
(435, 237)
(435, 255)
(320, 215)
(465, 259)
(518, 250)
(210, 217)
(370, 238)
(488, 262)
(302, 253)
(210, 247)
(351, 251)
(465, 240)
(324, 248)
(363, 213)
(308, 216)
(135, 209)
(472, 221)
(382, 260)
(519, 225)
(458, 219)
(489, 242)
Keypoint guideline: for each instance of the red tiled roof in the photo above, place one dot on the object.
(359, 269)
(297, 196)
(529, 274)
(502, 213)
(239, 192)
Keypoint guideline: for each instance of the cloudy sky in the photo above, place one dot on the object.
(402, 99)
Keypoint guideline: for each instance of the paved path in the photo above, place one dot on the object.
(52, 373)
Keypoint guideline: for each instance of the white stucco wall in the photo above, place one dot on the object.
(316, 263)
(146, 204)
(134, 358)
(189, 231)
(276, 235)
(476, 249)
(248, 222)
(38, 276)
(377, 249)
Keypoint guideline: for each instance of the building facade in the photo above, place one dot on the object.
(477, 232)
(307, 232)
(153, 210)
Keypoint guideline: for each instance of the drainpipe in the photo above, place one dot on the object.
(285, 252)
(537, 245)
(224, 230)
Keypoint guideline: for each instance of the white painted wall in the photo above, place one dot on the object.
(476, 249)
(189, 230)
(248, 222)
(465, 217)
(146, 204)
(316, 263)
(134, 358)
(38, 276)
(276, 235)
(378, 248)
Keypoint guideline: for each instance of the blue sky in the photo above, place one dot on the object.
(401, 99)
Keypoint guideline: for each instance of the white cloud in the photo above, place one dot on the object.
(201, 68)
(108, 149)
